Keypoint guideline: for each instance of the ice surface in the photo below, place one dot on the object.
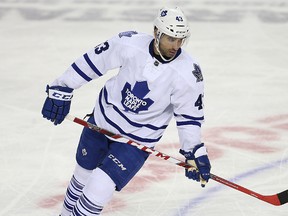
(243, 50)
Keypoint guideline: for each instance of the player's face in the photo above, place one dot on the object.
(169, 46)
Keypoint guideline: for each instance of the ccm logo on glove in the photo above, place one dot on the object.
(57, 104)
(59, 95)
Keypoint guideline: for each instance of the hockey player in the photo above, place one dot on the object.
(156, 81)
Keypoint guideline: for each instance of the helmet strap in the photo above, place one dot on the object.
(157, 44)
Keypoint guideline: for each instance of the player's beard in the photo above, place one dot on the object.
(167, 54)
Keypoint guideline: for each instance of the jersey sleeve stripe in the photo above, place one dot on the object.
(81, 73)
(135, 124)
(191, 117)
(189, 123)
(113, 124)
(90, 63)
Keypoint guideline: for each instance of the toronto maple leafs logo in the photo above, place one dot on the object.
(197, 73)
(133, 99)
(163, 13)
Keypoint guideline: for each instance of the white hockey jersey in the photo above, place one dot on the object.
(141, 99)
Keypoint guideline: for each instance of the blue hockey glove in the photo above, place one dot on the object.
(57, 104)
(198, 158)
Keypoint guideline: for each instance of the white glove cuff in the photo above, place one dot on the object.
(60, 95)
(200, 152)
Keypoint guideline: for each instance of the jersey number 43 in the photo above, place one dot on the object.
(101, 47)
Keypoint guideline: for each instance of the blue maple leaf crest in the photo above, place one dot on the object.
(127, 34)
(197, 73)
(133, 99)
(163, 13)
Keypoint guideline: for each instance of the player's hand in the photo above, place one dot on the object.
(198, 159)
(57, 103)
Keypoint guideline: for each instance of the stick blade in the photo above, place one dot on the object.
(283, 197)
(276, 199)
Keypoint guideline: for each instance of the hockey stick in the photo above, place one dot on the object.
(276, 199)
